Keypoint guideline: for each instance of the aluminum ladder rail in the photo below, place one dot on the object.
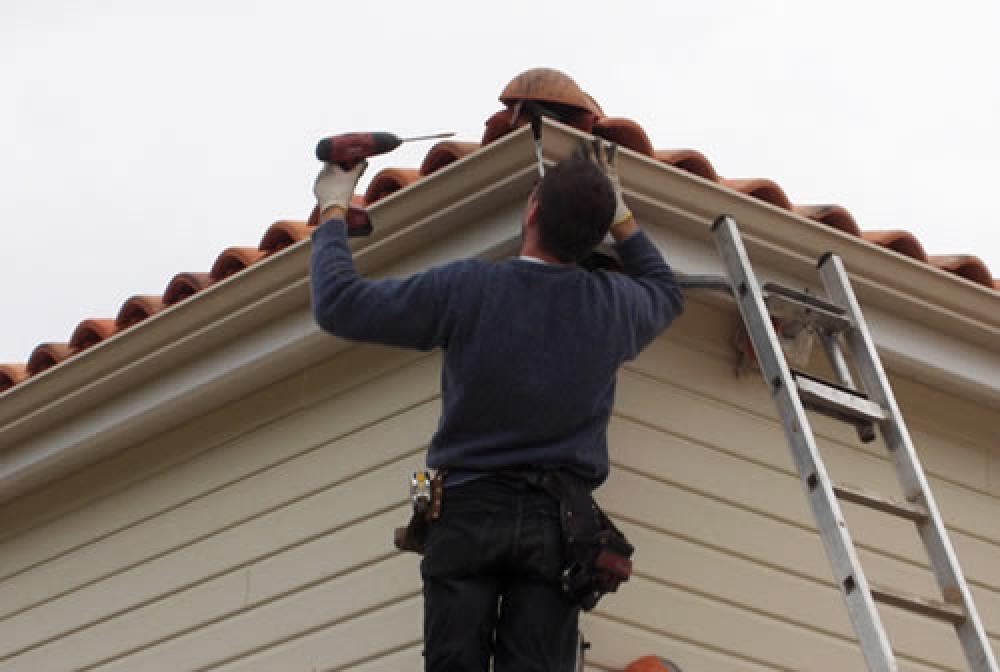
(793, 393)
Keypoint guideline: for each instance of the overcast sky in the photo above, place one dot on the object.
(139, 139)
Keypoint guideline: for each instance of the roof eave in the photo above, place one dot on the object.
(662, 193)
(202, 352)
(198, 354)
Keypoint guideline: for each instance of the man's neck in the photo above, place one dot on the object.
(535, 252)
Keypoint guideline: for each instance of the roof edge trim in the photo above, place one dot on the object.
(958, 307)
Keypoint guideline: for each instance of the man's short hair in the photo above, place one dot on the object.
(575, 206)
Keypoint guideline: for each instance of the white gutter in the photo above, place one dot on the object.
(204, 352)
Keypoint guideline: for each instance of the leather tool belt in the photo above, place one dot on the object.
(598, 555)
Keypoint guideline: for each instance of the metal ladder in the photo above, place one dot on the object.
(794, 392)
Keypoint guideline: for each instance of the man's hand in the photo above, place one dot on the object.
(605, 156)
(334, 187)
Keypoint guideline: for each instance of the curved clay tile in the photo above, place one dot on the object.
(47, 355)
(965, 265)
(11, 375)
(690, 160)
(183, 285)
(283, 234)
(546, 85)
(760, 188)
(500, 124)
(901, 241)
(91, 332)
(595, 106)
(232, 260)
(136, 309)
(625, 132)
(444, 153)
(834, 216)
(551, 93)
(388, 181)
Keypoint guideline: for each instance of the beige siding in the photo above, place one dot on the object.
(257, 537)
(217, 551)
(727, 550)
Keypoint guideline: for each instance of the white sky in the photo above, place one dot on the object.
(139, 139)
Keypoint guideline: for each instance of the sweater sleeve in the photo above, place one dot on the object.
(410, 312)
(654, 298)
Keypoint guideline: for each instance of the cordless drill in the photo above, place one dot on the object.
(347, 150)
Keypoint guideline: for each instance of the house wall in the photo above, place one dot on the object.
(257, 537)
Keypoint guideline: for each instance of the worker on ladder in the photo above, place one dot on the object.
(532, 346)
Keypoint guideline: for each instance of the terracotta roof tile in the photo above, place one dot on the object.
(444, 153)
(541, 90)
(833, 216)
(11, 375)
(625, 132)
(232, 260)
(964, 265)
(388, 181)
(138, 308)
(47, 355)
(283, 234)
(498, 125)
(91, 332)
(552, 93)
(901, 241)
(183, 285)
(690, 160)
(546, 85)
(760, 188)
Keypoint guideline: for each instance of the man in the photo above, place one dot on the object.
(532, 347)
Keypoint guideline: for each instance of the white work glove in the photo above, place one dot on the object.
(335, 186)
(605, 156)
(607, 160)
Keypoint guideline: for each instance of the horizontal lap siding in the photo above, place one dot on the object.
(727, 553)
(258, 536)
(239, 546)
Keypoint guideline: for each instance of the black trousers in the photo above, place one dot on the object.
(490, 570)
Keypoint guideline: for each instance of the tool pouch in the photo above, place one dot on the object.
(413, 535)
(598, 555)
(426, 494)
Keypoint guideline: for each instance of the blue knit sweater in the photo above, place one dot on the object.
(531, 350)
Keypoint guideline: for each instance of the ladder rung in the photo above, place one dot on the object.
(791, 303)
(811, 299)
(919, 605)
(837, 402)
(914, 512)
